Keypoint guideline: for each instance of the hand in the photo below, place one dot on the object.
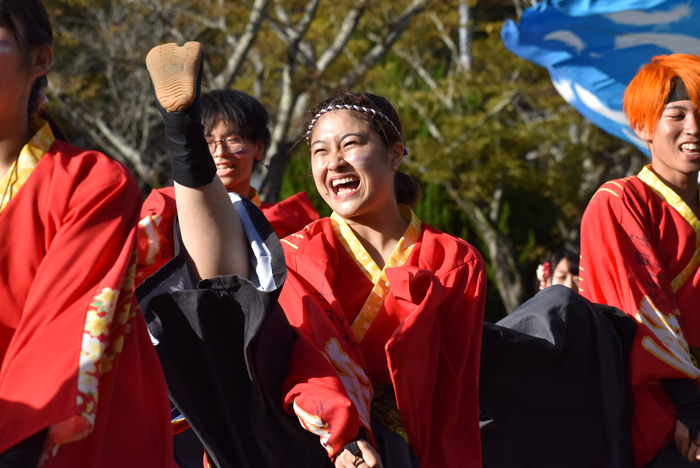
(690, 449)
(370, 458)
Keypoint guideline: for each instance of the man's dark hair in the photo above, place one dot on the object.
(242, 112)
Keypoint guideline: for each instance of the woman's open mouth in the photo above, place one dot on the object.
(345, 186)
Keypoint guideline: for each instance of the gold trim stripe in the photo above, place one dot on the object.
(608, 190)
(677, 203)
(289, 243)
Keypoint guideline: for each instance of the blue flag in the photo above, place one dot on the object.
(593, 48)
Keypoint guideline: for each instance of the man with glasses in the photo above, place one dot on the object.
(235, 126)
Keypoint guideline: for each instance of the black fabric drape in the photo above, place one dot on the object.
(225, 349)
(553, 386)
(26, 454)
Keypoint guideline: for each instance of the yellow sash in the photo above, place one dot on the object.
(29, 157)
(363, 259)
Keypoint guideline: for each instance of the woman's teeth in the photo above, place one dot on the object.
(345, 185)
(344, 180)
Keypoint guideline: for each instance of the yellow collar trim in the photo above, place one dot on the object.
(254, 197)
(354, 247)
(672, 198)
(29, 157)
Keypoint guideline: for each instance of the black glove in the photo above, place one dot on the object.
(353, 448)
(686, 398)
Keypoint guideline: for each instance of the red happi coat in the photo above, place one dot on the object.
(640, 251)
(75, 353)
(425, 341)
(155, 230)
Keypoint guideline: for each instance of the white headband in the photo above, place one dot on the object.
(366, 110)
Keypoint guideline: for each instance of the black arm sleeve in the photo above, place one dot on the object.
(686, 398)
(25, 454)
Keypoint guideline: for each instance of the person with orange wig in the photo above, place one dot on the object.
(640, 252)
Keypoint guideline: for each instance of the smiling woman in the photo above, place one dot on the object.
(388, 310)
(382, 357)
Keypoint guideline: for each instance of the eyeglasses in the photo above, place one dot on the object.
(231, 144)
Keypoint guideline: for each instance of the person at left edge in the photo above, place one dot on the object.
(235, 126)
(80, 383)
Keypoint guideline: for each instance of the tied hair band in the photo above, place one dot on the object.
(363, 109)
(678, 92)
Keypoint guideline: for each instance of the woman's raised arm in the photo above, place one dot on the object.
(211, 230)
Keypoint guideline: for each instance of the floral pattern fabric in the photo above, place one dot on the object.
(103, 340)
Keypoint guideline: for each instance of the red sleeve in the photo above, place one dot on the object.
(433, 354)
(80, 312)
(327, 386)
(621, 267)
(290, 215)
(434, 357)
(154, 234)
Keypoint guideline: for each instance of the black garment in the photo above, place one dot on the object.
(392, 448)
(670, 457)
(553, 387)
(26, 454)
(686, 398)
(189, 450)
(225, 347)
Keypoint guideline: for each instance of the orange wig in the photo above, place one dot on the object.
(645, 97)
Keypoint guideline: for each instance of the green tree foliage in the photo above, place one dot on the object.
(504, 162)
(287, 53)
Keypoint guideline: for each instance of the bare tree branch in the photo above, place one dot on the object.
(305, 22)
(284, 18)
(444, 34)
(110, 141)
(506, 272)
(233, 64)
(415, 61)
(376, 53)
(465, 36)
(259, 67)
(484, 118)
(432, 128)
(279, 31)
(352, 18)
